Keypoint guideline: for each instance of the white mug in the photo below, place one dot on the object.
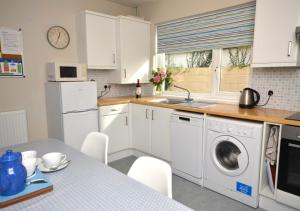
(53, 159)
(28, 154)
(30, 165)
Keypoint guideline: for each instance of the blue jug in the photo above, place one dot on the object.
(12, 173)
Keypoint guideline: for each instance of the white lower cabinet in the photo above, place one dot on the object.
(160, 132)
(149, 127)
(140, 127)
(151, 130)
(114, 121)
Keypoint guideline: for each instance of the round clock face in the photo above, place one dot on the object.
(58, 37)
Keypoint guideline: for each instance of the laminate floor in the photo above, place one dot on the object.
(190, 194)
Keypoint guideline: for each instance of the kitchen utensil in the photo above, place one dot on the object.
(12, 173)
(36, 181)
(247, 98)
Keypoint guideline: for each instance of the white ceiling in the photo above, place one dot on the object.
(132, 3)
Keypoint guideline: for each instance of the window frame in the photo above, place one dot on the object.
(215, 94)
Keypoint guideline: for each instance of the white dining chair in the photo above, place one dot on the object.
(154, 173)
(95, 145)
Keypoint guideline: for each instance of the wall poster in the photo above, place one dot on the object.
(11, 53)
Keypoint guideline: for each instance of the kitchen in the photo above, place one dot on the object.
(275, 74)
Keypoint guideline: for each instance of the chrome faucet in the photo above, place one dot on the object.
(188, 99)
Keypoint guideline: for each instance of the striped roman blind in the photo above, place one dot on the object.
(228, 27)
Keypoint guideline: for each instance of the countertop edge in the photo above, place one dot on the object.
(275, 116)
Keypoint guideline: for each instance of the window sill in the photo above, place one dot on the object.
(220, 98)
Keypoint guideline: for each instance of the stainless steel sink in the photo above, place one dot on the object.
(195, 104)
(172, 101)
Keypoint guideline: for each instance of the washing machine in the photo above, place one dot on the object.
(232, 158)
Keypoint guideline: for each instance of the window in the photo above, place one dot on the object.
(210, 72)
(191, 70)
(235, 69)
(209, 53)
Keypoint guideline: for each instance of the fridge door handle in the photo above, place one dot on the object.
(80, 111)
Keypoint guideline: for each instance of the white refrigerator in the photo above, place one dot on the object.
(72, 111)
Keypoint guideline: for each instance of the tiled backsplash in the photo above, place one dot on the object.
(285, 82)
(117, 90)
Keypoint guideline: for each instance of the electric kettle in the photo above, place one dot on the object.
(249, 98)
(12, 173)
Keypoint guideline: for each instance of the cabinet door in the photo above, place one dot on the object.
(134, 50)
(140, 120)
(100, 41)
(275, 24)
(116, 127)
(160, 132)
(76, 126)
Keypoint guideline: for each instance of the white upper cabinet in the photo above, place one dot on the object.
(274, 37)
(97, 40)
(133, 44)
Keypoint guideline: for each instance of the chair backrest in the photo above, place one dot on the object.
(95, 145)
(154, 173)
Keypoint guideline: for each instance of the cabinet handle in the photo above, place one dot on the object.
(146, 113)
(125, 75)
(152, 115)
(294, 145)
(126, 120)
(114, 58)
(289, 49)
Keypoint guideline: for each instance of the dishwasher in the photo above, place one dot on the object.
(187, 145)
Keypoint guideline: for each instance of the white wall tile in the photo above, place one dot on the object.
(285, 83)
(117, 90)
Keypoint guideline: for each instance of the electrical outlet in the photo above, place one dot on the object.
(270, 92)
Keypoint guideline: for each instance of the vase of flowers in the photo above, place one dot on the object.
(161, 78)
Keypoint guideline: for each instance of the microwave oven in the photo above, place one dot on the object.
(66, 72)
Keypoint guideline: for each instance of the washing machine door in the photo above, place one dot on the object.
(229, 155)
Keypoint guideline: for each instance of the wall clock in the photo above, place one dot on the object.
(58, 37)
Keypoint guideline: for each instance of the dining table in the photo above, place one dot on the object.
(88, 184)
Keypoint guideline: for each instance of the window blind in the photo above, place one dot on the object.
(228, 27)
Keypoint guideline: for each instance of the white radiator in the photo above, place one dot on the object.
(13, 128)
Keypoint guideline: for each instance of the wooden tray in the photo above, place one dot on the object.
(29, 192)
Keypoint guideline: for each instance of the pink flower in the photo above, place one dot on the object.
(156, 79)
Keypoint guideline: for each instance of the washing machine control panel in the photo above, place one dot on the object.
(231, 129)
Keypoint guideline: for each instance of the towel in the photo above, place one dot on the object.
(271, 150)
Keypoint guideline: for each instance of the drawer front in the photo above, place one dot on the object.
(113, 109)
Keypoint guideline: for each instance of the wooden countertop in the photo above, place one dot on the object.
(226, 110)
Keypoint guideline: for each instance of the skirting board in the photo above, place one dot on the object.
(119, 155)
(188, 177)
(129, 152)
(271, 205)
(125, 153)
